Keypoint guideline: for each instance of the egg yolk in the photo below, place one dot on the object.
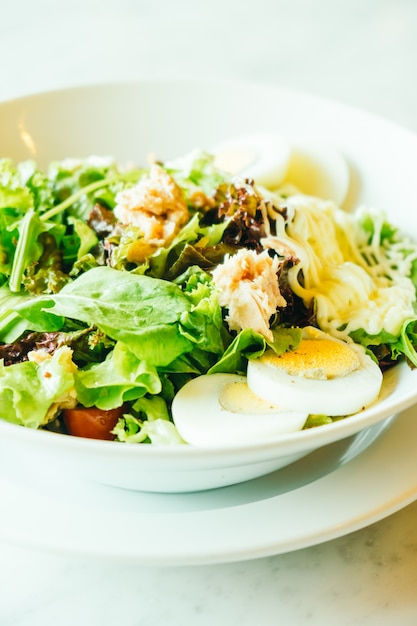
(238, 398)
(319, 359)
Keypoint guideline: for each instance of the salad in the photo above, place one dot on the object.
(121, 286)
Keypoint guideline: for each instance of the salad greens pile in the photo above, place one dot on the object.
(118, 331)
(136, 331)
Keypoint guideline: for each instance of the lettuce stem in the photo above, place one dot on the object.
(97, 184)
(20, 257)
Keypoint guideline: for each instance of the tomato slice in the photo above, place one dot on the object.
(91, 422)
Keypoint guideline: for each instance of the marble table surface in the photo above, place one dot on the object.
(361, 52)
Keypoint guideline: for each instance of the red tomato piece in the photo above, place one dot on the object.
(91, 422)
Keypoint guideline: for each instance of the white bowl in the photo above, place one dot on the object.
(128, 121)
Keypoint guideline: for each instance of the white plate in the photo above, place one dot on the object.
(332, 492)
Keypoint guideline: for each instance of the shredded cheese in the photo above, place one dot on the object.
(354, 284)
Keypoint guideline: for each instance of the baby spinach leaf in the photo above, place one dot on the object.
(141, 311)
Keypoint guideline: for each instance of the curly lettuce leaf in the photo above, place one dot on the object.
(50, 382)
(13, 190)
(387, 348)
(149, 424)
(203, 322)
(130, 429)
(197, 172)
(120, 378)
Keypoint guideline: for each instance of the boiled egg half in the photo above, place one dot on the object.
(263, 157)
(318, 170)
(220, 410)
(311, 168)
(322, 375)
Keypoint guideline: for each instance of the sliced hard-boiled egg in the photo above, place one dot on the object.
(318, 170)
(263, 157)
(220, 410)
(322, 375)
(274, 162)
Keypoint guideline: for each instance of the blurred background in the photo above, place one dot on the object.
(361, 52)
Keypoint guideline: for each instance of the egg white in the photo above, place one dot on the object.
(273, 162)
(263, 157)
(220, 410)
(334, 396)
(320, 171)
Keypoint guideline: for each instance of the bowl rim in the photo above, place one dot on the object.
(161, 81)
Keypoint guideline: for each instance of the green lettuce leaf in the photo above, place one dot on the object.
(197, 172)
(249, 344)
(29, 248)
(149, 424)
(130, 429)
(203, 322)
(12, 324)
(87, 238)
(121, 377)
(13, 190)
(386, 347)
(49, 382)
(143, 312)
